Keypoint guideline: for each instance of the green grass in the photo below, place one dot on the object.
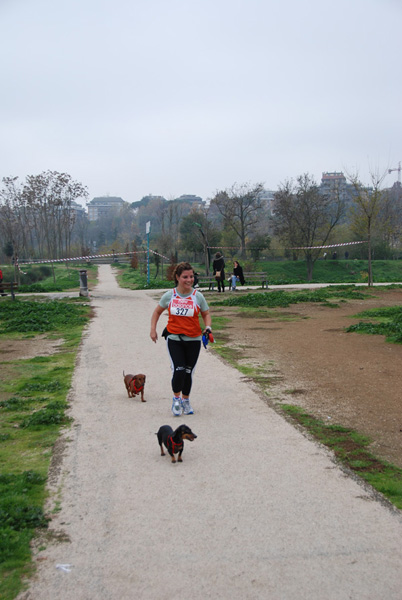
(330, 271)
(282, 298)
(350, 448)
(135, 279)
(39, 278)
(31, 316)
(390, 323)
(33, 403)
(281, 272)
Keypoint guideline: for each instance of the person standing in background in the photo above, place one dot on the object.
(219, 271)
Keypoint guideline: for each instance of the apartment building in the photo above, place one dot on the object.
(103, 206)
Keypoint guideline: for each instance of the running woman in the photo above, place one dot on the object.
(183, 333)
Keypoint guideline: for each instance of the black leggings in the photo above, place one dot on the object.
(183, 358)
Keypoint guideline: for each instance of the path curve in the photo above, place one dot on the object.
(256, 510)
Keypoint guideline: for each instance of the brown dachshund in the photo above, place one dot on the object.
(135, 385)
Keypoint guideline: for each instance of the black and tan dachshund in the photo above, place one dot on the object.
(173, 440)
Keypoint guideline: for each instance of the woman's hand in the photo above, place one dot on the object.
(154, 321)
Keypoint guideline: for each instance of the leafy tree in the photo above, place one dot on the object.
(258, 243)
(8, 249)
(240, 207)
(101, 239)
(305, 218)
(192, 235)
(230, 242)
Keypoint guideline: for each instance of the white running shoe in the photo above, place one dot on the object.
(187, 410)
(177, 408)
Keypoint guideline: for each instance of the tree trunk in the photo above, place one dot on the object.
(370, 267)
(206, 259)
(243, 246)
(310, 267)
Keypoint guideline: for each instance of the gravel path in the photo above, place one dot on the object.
(256, 510)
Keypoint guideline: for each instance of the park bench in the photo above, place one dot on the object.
(251, 277)
(207, 281)
(256, 277)
(6, 286)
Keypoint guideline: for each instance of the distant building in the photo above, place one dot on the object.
(190, 199)
(329, 178)
(336, 183)
(331, 181)
(77, 209)
(103, 206)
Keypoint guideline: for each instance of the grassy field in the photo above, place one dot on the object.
(39, 278)
(331, 271)
(33, 403)
(46, 278)
(284, 272)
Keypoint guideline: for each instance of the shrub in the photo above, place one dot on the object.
(52, 414)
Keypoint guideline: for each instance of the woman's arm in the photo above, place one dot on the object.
(154, 321)
(206, 318)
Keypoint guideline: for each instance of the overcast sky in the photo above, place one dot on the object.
(172, 97)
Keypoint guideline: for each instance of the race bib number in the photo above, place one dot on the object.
(182, 307)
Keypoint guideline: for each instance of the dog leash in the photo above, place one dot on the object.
(207, 337)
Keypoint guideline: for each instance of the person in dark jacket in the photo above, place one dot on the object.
(238, 271)
(219, 266)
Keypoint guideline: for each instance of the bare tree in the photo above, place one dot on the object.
(14, 221)
(240, 207)
(284, 218)
(197, 233)
(389, 222)
(304, 218)
(80, 234)
(49, 197)
(368, 202)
